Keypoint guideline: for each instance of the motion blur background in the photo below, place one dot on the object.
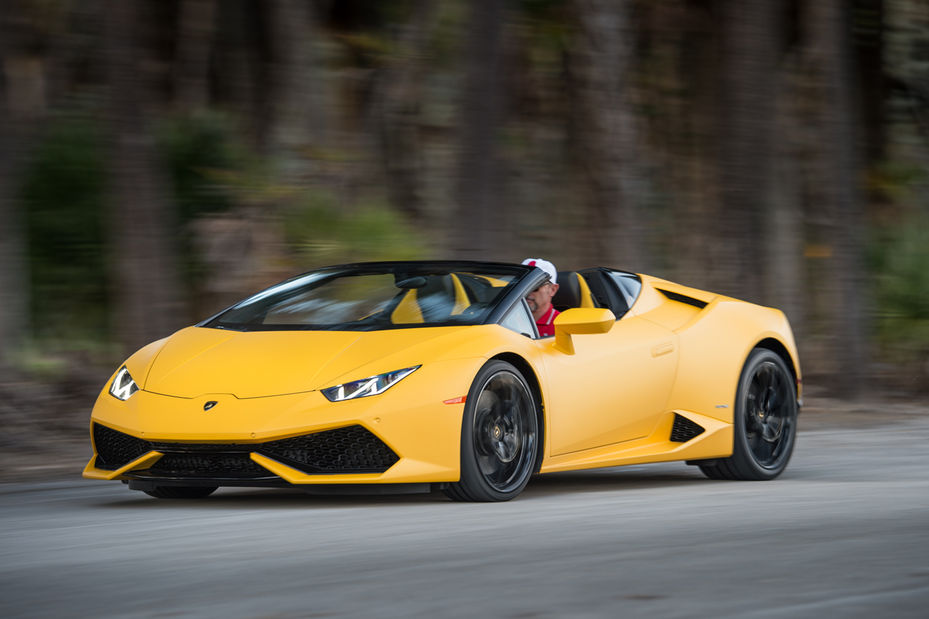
(160, 159)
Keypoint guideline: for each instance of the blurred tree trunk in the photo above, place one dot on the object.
(783, 239)
(22, 105)
(296, 120)
(478, 227)
(400, 94)
(601, 55)
(142, 219)
(783, 233)
(746, 121)
(696, 207)
(238, 85)
(868, 29)
(195, 27)
(839, 171)
(14, 263)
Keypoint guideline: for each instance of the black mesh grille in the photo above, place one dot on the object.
(352, 449)
(213, 465)
(684, 429)
(115, 449)
(345, 450)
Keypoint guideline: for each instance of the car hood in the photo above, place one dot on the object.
(198, 361)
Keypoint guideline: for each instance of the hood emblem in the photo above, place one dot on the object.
(210, 405)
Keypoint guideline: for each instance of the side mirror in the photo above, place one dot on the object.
(580, 321)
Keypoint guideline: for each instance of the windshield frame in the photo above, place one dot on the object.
(514, 290)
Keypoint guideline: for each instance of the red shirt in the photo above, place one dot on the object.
(546, 322)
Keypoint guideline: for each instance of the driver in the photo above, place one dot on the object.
(540, 299)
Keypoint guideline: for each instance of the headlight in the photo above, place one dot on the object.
(372, 385)
(123, 386)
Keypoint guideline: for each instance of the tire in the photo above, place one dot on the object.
(765, 421)
(181, 492)
(499, 436)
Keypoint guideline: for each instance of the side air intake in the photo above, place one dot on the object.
(683, 298)
(684, 429)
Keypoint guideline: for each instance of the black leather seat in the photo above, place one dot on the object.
(572, 292)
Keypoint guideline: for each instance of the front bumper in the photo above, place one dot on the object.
(407, 435)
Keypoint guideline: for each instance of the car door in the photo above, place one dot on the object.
(613, 389)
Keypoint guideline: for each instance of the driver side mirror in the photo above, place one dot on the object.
(580, 321)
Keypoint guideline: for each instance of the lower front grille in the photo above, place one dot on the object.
(215, 465)
(684, 429)
(352, 449)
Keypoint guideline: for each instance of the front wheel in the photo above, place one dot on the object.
(499, 436)
(765, 424)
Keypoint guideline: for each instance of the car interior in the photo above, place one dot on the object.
(589, 288)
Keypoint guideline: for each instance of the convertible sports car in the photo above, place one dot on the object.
(408, 376)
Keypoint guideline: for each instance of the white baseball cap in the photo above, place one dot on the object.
(545, 265)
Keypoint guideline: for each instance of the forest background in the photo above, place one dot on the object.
(160, 159)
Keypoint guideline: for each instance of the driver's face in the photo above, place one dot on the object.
(540, 299)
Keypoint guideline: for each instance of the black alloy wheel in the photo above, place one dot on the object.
(499, 436)
(765, 424)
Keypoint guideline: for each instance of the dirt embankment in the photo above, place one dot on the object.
(46, 425)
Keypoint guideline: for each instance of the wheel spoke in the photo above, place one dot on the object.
(754, 441)
(779, 392)
(774, 429)
(771, 376)
(752, 423)
(488, 465)
(765, 451)
(512, 394)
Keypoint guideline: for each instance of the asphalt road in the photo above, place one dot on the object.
(843, 533)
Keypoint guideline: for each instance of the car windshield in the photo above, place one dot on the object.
(374, 296)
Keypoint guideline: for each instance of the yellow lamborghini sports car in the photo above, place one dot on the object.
(409, 376)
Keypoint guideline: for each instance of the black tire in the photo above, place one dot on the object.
(499, 436)
(765, 421)
(181, 492)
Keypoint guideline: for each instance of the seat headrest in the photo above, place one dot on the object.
(569, 291)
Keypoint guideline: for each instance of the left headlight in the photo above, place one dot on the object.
(123, 386)
(372, 385)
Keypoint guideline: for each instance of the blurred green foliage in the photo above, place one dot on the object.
(211, 172)
(200, 153)
(900, 264)
(323, 233)
(63, 193)
(198, 150)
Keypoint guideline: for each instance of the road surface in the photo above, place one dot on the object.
(843, 533)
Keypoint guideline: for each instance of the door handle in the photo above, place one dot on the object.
(662, 349)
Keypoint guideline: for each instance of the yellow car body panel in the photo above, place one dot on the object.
(603, 410)
(609, 389)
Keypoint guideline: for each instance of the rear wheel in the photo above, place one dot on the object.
(765, 423)
(499, 436)
(181, 492)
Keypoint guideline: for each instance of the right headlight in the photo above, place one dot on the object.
(123, 386)
(365, 387)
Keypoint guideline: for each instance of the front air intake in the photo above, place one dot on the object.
(352, 449)
(115, 449)
(684, 429)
